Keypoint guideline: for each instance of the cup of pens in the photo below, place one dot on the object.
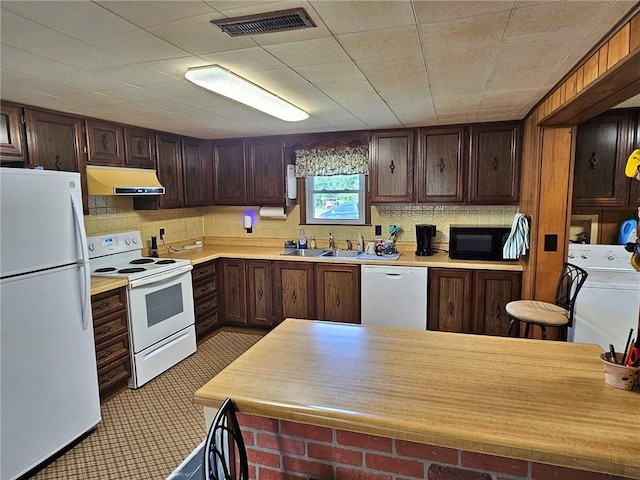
(622, 370)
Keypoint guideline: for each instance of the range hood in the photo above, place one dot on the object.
(122, 181)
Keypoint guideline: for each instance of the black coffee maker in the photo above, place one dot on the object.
(424, 234)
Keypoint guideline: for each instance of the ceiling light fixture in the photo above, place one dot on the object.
(226, 83)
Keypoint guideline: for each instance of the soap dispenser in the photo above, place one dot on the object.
(360, 243)
(302, 242)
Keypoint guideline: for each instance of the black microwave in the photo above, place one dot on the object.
(477, 242)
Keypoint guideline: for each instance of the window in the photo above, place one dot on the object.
(336, 199)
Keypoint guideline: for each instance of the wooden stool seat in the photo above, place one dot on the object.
(538, 312)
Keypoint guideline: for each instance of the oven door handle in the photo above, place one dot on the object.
(160, 277)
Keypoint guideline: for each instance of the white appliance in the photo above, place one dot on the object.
(48, 376)
(608, 304)
(394, 296)
(159, 300)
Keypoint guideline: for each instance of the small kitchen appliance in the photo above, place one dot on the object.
(477, 242)
(424, 236)
(159, 301)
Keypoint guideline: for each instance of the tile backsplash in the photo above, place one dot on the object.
(116, 214)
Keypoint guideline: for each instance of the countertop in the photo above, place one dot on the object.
(533, 400)
(271, 252)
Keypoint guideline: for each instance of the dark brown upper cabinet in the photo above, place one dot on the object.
(11, 133)
(249, 171)
(229, 172)
(105, 142)
(440, 165)
(169, 151)
(603, 145)
(194, 167)
(140, 148)
(392, 159)
(54, 141)
(265, 171)
(494, 163)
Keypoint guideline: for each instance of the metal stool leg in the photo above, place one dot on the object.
(544, 332)
(510, 326)
(526, 330)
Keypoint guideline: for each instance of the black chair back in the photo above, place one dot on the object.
(569, 284)
(225, 456)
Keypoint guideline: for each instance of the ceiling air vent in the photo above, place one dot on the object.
(280, 21)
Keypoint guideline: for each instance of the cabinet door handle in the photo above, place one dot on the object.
(450, 308)
(105, 142)
(441, 165)
(593, 161)
(58, 163)
(103, 330)
(260, 294)
(337, 299)
(233, 292)
(495, 163)
(392, 167)
(496, 311)
(294, 296)
(106, 354)
(110, 376)
(206, 306)
(102, 305)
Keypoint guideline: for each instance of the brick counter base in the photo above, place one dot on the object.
(283, 450)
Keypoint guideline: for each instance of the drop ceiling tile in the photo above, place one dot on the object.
(338, 71)
(456, 103)
(20, 32)
(348, 17)
(415, 101)
(87, 81)
(381, 43)
(308, 52)
(132, 94)
(477, 31)
(147, 13)
(96, 98)
(455, 118)
(77, 54)
(175, 89)
(439, 11)
(78, 20)
(460, 70)
(244, 60)
(498, 115)
(510, 99)
(197, 36)
(132, 74)
(558, 18)
(348, 93)
(135, 47)
(176, 67)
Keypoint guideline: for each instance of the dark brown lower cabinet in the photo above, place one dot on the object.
(260, 297)
(471, 301)
(205, 298)
(338, 292)
(234, 287)
(111, 336)
(293, 293)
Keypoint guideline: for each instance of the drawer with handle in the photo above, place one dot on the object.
(108, 302)
(112, 350)
(203, 270)
(206, 305)
(114, 374)
(207, 323)
(109, 326)
(203, 289)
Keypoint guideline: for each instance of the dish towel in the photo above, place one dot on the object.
(518, 242)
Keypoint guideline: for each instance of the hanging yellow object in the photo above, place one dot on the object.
(633, 165)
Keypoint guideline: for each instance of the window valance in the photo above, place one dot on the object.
(330, 161)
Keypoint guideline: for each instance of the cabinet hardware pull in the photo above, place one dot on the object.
(338, 299)
(58, 163)
(441, 165)
(102, 305)
(496, 311)
(392, 167)
(450, 308)
(105, 354)
(204, 289)
(207, 322)
(495, 163)
(294, 296)
(103, 330)
(105, 142)
(110, 376)
(206, 305)
(233, 292)
(593, 161)
(260, 294)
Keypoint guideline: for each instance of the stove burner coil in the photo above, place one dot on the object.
(132, 270)
(140, 261)
(105, 270)
(165, 262)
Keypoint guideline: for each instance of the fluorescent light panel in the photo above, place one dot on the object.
(226, 83)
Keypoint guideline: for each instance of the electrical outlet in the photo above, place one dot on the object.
(378, 230)
(162, 234)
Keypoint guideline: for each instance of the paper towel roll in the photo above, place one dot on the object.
(273, 212)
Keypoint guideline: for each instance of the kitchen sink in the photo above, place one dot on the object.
(303, 252)
(340, 254)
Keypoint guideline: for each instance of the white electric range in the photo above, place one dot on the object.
(159, 302)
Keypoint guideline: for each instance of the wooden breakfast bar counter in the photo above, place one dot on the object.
(426, 405)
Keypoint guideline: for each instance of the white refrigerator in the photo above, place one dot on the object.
(48, 378)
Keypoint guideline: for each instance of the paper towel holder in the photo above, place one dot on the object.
(278, 213)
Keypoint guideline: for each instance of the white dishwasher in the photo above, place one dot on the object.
(394, 296)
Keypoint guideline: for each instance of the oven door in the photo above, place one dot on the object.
(159, 306)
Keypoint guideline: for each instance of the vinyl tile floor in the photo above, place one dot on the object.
(146, 433)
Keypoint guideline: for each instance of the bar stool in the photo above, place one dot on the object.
(225, 456)
(544, 314)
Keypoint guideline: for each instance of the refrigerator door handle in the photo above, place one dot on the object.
(83, 263)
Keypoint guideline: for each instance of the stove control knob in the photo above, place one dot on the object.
(611, 257)
(134, 240)
(584, 256)
(127, 241)
(90, 247)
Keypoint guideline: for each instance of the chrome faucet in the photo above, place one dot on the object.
(349, 245)
(332, 244)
